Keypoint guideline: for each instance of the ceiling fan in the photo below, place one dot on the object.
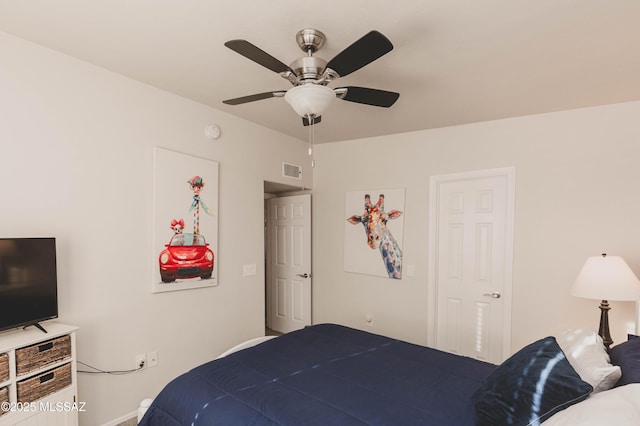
(310, 74)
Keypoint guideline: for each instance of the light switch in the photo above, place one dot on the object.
(249, 269)
(411, 270)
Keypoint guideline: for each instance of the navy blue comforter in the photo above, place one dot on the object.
(325, 375)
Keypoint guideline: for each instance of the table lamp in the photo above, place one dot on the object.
(606, 278)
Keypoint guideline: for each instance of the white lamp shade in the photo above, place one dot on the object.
(309, 99)
(606, 278)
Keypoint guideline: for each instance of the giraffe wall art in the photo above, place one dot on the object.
(377, 251)
(185, 221)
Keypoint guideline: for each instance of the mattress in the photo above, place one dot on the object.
(325, 374)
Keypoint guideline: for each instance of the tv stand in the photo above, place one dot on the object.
(36, 325)
(38, 376)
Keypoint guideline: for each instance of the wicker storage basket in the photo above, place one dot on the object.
(44, 384)
(35, 357)
(4, 367)
(4, 397)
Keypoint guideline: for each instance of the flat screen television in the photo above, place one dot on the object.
(28, 282)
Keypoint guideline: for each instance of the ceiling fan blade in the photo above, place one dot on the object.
(257, 55)
(365, 95)
(256, 97)
(362, 52)
(315, 120)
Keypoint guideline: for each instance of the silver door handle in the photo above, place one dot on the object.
(495, 295)
(305, 275)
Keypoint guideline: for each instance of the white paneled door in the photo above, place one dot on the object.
(289, 263)
(471, 262)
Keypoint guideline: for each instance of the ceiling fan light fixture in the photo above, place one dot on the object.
(310, 96)
(309, 99)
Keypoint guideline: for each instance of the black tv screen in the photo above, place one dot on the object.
(28, 281)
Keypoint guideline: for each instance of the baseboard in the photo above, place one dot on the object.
(116, 422)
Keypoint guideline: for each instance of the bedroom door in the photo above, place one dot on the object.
(471, 245)
(289, 263)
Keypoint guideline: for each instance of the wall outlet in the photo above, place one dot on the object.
(141, 360)
(152, 359)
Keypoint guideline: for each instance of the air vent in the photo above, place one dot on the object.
(292, 171)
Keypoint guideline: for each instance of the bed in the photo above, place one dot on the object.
(329, 374)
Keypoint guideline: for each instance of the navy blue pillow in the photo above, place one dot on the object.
(529, 387)
(627, 356)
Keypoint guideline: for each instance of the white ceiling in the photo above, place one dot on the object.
(454, 61)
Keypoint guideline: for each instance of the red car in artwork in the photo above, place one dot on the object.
(186, 256)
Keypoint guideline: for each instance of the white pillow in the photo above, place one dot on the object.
(588, 356)
(619, 406)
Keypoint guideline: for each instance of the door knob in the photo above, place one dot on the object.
(305, 275)
(495, 295)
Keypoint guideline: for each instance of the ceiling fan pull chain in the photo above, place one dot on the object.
(313, 141)
(311, 126)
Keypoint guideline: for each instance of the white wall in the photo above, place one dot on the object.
(76, 150)
(577, 195)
